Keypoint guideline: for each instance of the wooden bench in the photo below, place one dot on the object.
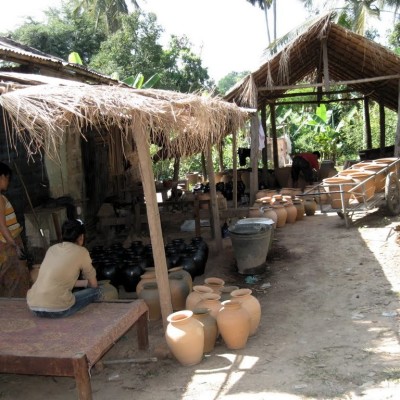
(66, 346)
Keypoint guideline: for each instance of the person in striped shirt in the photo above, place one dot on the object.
(14, 272)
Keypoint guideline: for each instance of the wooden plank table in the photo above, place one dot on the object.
(66, 346)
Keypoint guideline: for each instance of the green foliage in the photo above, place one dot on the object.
(228, 81)
(62, 34)
(75, 58)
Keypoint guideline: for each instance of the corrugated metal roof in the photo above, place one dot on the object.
(49, 65)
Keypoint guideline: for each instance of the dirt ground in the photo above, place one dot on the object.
(329, 327)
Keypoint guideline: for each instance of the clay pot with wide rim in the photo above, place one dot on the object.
(185, 337)
(310, 206)
(226, 291)
(148, 276)
(380, 178)
(338, 184)
(179, 289)
(214, 283)
(234, 324)
(151, 297)
(251, 304)
(281, 214)
(291, 213)
(210, 301)
(299, 204)
(195, 296)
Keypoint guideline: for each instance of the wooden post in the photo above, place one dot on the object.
(382, 127)
(397, 140)
(326, 64)
(234, 166)
(367, 119)
(214, 204)
(264, 152)
(81, 374)
(254, 131)
(274, 138)
(153, 218)
(204, 167)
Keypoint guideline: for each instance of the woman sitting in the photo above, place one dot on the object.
(51, 295)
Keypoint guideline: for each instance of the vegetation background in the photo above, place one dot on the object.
(126, 45)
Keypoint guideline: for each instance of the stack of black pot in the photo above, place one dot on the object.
(124, 266)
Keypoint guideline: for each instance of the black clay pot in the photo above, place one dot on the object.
(200, 243)
(137, 247)
(130, 276)
(108, 270)
(179, 244)
(173, 258)
(189, 265)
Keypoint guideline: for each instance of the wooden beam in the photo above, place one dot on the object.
(308, 85)
(254, 132)
(153, 218)
(214, 204)
(318, 101)
(367, 124)
(325, 63)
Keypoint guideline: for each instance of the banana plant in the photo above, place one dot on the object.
(139, 83)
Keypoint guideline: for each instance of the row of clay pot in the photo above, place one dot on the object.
(283, 209)
(359, 182)
(192, 332)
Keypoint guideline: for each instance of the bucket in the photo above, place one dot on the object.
(250, 244)
(261, 220)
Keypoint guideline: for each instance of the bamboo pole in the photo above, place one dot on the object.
(153, 217)
(367, 120)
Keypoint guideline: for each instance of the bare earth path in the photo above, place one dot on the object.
(329, 327)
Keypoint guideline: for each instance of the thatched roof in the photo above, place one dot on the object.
(351, 59)
(183, 124)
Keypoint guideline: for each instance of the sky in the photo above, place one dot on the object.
(229, 35)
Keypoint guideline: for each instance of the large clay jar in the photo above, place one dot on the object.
(108, 291)
(251, 305)
(179, 289)
(334, 186)
(148, 276)
(210, 301)
(281, 214)
(380, 178)
(225, 292)
(299, 204)
(210, 328)
(291, 213)
(234, 324)
(195, 296)
(310, 206)
(214, 283)
(151, 297)
(254, 212)
(365, 188)
(269, 212)
(185, 337)
(186, 275)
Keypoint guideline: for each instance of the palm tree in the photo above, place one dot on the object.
(265, 5)
(109, 10)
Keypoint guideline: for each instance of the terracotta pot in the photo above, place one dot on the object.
(179, 289)
(209, 326)
(214, 283)
(366, 190)
(185, 337)
(148, 276)
(109, 292)
(226, 291)
(299, 204)
(337, 184)
(187, 276)
(195, 296)
(233, 324)
(380, 178)
(251, 305)
(210, 301)
(265, 193)
(310, 206)
(151, 297)
(281, 215)
(269, 212)
(254, 212)
(291, 213)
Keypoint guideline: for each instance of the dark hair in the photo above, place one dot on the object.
(317, 153)
(72, 229)
(5, 170)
